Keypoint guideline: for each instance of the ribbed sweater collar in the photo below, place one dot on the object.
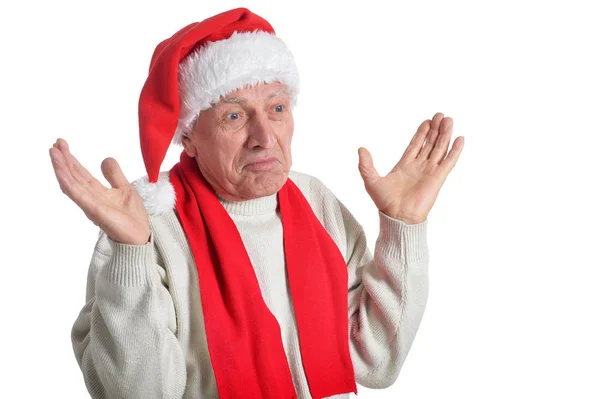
(256, 206)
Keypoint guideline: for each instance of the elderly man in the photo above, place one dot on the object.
(231, 275)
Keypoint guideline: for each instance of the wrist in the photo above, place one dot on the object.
(404, 218)
(131, 240)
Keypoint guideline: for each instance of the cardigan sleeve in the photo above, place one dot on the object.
(387, 292)
(124, 338)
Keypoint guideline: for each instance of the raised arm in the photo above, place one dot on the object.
(124, 338)
(387, 295)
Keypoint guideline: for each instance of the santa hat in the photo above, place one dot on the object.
(189, 72)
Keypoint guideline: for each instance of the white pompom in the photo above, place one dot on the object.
(158, 197)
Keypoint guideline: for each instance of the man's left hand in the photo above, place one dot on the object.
(409, 191)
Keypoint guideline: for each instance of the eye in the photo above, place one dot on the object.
(233, 116)
(279, 108)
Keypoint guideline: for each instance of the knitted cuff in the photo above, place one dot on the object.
(130, 265)
(400, 240)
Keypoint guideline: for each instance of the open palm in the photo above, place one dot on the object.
(410, 189)
(119, 211)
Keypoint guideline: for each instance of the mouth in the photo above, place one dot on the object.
(263, 164)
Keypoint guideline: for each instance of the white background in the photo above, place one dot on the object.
(513, 236)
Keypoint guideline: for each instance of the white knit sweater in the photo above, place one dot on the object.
(141, 332)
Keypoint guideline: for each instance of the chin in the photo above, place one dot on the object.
(265, 184)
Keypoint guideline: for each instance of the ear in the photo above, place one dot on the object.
(188, 145)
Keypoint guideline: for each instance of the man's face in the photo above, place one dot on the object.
(243, 143)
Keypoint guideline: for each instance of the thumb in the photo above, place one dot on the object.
(365, 166)
(113, 173)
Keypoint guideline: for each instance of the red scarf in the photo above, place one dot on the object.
(244, 338)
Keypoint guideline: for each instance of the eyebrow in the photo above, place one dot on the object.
(241, 99)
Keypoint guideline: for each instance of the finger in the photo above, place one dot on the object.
(426, 149)
(431, 136)
(448, 164)
(417, 141)
(113, 173)
(437, 119)
(68, 185)
(80, 173)
(441, 146)
(62, 171)
(365, 166)
(63, 146)
(58, 159)
(76, 175)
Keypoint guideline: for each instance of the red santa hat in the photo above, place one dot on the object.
(189, 72)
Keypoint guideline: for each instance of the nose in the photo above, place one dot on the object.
(261, 133)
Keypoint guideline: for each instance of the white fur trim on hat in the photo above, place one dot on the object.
(221, 67)
(158, 197)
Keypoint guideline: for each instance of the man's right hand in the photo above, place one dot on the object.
(119, 211)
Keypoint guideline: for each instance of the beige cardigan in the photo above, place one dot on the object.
(141, 332)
